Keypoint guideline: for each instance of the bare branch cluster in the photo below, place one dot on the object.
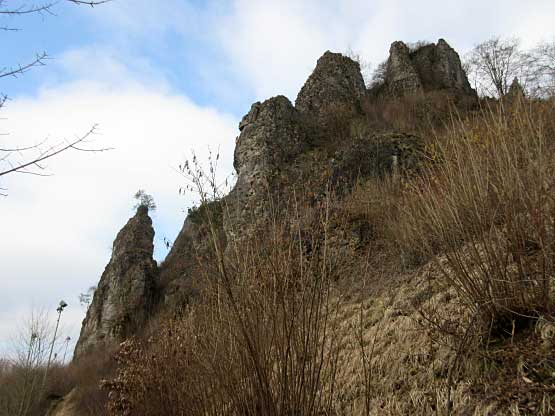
(203, 181)
(34, 165)
(19, 69)
(42, 7)
(493, 65)
(31, 157)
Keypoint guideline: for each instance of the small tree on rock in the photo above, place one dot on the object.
(144, 200)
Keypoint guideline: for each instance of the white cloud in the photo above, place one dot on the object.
(57, 231)
(273, 45)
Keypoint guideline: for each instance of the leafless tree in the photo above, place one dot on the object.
(492, 65)
(31, 158)
(22, 371)
(379, 75)
(543, 57)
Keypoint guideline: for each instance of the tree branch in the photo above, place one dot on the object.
(20, 69)
(44, 8)
(53, 151)
(89, 3)
(22, 149)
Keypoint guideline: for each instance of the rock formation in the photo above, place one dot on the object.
(126, 291)
(401, 76)
(179, 273)
(270, 157)
(280, 148)
(336, 81)
(272, 136)
(432, 67)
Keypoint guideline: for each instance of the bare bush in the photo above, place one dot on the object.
(260, 342)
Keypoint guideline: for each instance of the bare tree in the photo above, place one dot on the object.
(492, 65)
(22, 372)
(379, 75)
(543, 58)
(31, 158)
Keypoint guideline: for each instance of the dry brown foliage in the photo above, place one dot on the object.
(262, 340)
(328, 309)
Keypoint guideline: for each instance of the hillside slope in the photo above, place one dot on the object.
(374, 257)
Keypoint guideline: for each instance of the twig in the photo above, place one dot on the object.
(53, 151)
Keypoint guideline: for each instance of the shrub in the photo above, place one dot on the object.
(261, 342)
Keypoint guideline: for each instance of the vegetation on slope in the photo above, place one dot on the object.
(317, 315)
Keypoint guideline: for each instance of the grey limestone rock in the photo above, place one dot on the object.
(402, 77)
(432, 67)
(272, 136)
(336, 81)
(126, 290)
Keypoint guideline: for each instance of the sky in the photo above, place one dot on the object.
(163, 79)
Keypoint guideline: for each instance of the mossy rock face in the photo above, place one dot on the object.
(379, 155)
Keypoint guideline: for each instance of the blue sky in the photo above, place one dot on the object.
(163, 78)
(180, 52)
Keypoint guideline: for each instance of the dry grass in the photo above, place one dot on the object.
(488, 204)
(416, 114)
(22, 385)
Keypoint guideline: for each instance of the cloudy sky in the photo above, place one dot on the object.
(162, 79)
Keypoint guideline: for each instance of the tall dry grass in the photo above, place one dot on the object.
(488, 203)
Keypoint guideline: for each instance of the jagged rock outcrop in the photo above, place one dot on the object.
(281, 148)
(401, 76)
(126, 291)
(432, 67)
(272, 136)
(284, 148)
(177, 272)
(335, 82)
(439, 68)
